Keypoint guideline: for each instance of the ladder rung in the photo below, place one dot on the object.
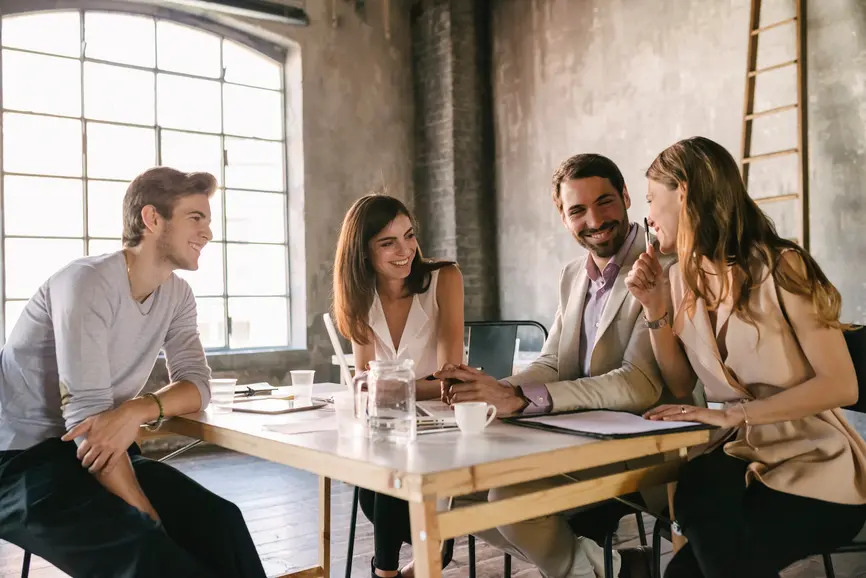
(776, 198)
(770, 155)
(757, 31)
(770, 111)
(769, 68)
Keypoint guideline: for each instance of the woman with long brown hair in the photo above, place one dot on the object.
(757, 321)
(394, 304)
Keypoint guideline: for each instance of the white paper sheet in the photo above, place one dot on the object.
(608, 423)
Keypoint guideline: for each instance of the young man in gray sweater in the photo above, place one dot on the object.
(74, 488)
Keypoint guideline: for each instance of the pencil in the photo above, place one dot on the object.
(646, 232)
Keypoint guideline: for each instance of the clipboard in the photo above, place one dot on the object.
(605, 424)
(274, 406)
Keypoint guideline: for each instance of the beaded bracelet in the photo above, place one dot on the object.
(154, 425)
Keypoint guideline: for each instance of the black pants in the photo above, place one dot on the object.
(391, 528)
(751, 532)
(51, 506)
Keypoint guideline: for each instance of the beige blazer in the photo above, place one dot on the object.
(623, 373)
(819, 456)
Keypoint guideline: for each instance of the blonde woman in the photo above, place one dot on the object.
(756, 320)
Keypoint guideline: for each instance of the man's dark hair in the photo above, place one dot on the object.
(584, 166)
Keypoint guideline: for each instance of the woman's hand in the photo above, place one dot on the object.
(646, 282)
(731, 417)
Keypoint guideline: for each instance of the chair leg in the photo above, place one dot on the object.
(640, 528)
(471, 539)
(351, 550)
(828, 566)
(25, 565)
(507, 572)
(608, 556)
(657, 550)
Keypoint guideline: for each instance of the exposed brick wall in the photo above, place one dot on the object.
(454, 197)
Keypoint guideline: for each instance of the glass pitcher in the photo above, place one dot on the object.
(391, 401)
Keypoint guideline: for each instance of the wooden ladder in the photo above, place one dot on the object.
(749, 113)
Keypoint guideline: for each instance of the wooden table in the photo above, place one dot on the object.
(441, 465)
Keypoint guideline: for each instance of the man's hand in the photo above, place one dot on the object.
(110, 433)
(473, 385)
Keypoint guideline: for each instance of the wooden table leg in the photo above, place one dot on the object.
(325, 525)
(426, 544)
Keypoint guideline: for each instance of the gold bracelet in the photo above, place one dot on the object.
(745, 415)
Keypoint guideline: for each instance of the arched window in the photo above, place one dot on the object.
(92, 98)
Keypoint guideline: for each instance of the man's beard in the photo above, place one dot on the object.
(166, 252)
(607, 248)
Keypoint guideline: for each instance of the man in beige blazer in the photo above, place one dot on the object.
(598, 356)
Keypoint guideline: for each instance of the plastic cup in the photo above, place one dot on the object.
(222, 394)
(302, 383)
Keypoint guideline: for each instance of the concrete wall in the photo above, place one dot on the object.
(351, 100)
(627, 78)
(454, 144)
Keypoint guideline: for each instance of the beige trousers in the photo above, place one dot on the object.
(548, 541)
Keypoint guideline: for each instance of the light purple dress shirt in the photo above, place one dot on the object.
(597, 294)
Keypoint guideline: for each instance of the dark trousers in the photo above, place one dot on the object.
(53, 507)
(391, 528)
(751, 532)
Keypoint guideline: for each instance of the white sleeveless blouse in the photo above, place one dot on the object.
(420, 336)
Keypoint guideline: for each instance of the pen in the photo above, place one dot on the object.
(646, 232)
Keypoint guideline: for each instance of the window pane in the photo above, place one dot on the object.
(259, 322)
(191, 152)
(252, 112)
(119, 94)
(188, 103)
(187, 50)
(41, 145)
(246, 66)
(122, 38)
(216, 215)
(30, 262)
(119, 152)
(211, 316)
(13, 313)
(53, 32)
(256, 165)
(39, 83)
(42, 207)
(105, 209)
(103, 246)
(257, 269)
(208, 280)
(256, 216)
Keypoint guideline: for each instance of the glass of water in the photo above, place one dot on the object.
(391, 401)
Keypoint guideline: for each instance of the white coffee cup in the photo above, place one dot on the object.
(473, 416)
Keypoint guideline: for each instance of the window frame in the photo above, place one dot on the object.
(275, 52)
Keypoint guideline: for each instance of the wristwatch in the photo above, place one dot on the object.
(658, 323)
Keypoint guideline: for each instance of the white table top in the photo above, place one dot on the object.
(498, 446)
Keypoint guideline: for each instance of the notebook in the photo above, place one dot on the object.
(603, 424)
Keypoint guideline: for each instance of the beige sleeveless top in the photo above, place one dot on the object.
(820, 456)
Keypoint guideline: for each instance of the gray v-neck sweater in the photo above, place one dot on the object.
(84, 345)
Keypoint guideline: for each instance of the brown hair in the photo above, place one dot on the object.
(720, 221)
(584, 166)
(354, 278)
(160, 187)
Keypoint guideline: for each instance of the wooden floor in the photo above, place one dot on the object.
(280, 503)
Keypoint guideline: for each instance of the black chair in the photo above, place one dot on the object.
(856, 341)
(492, 347)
